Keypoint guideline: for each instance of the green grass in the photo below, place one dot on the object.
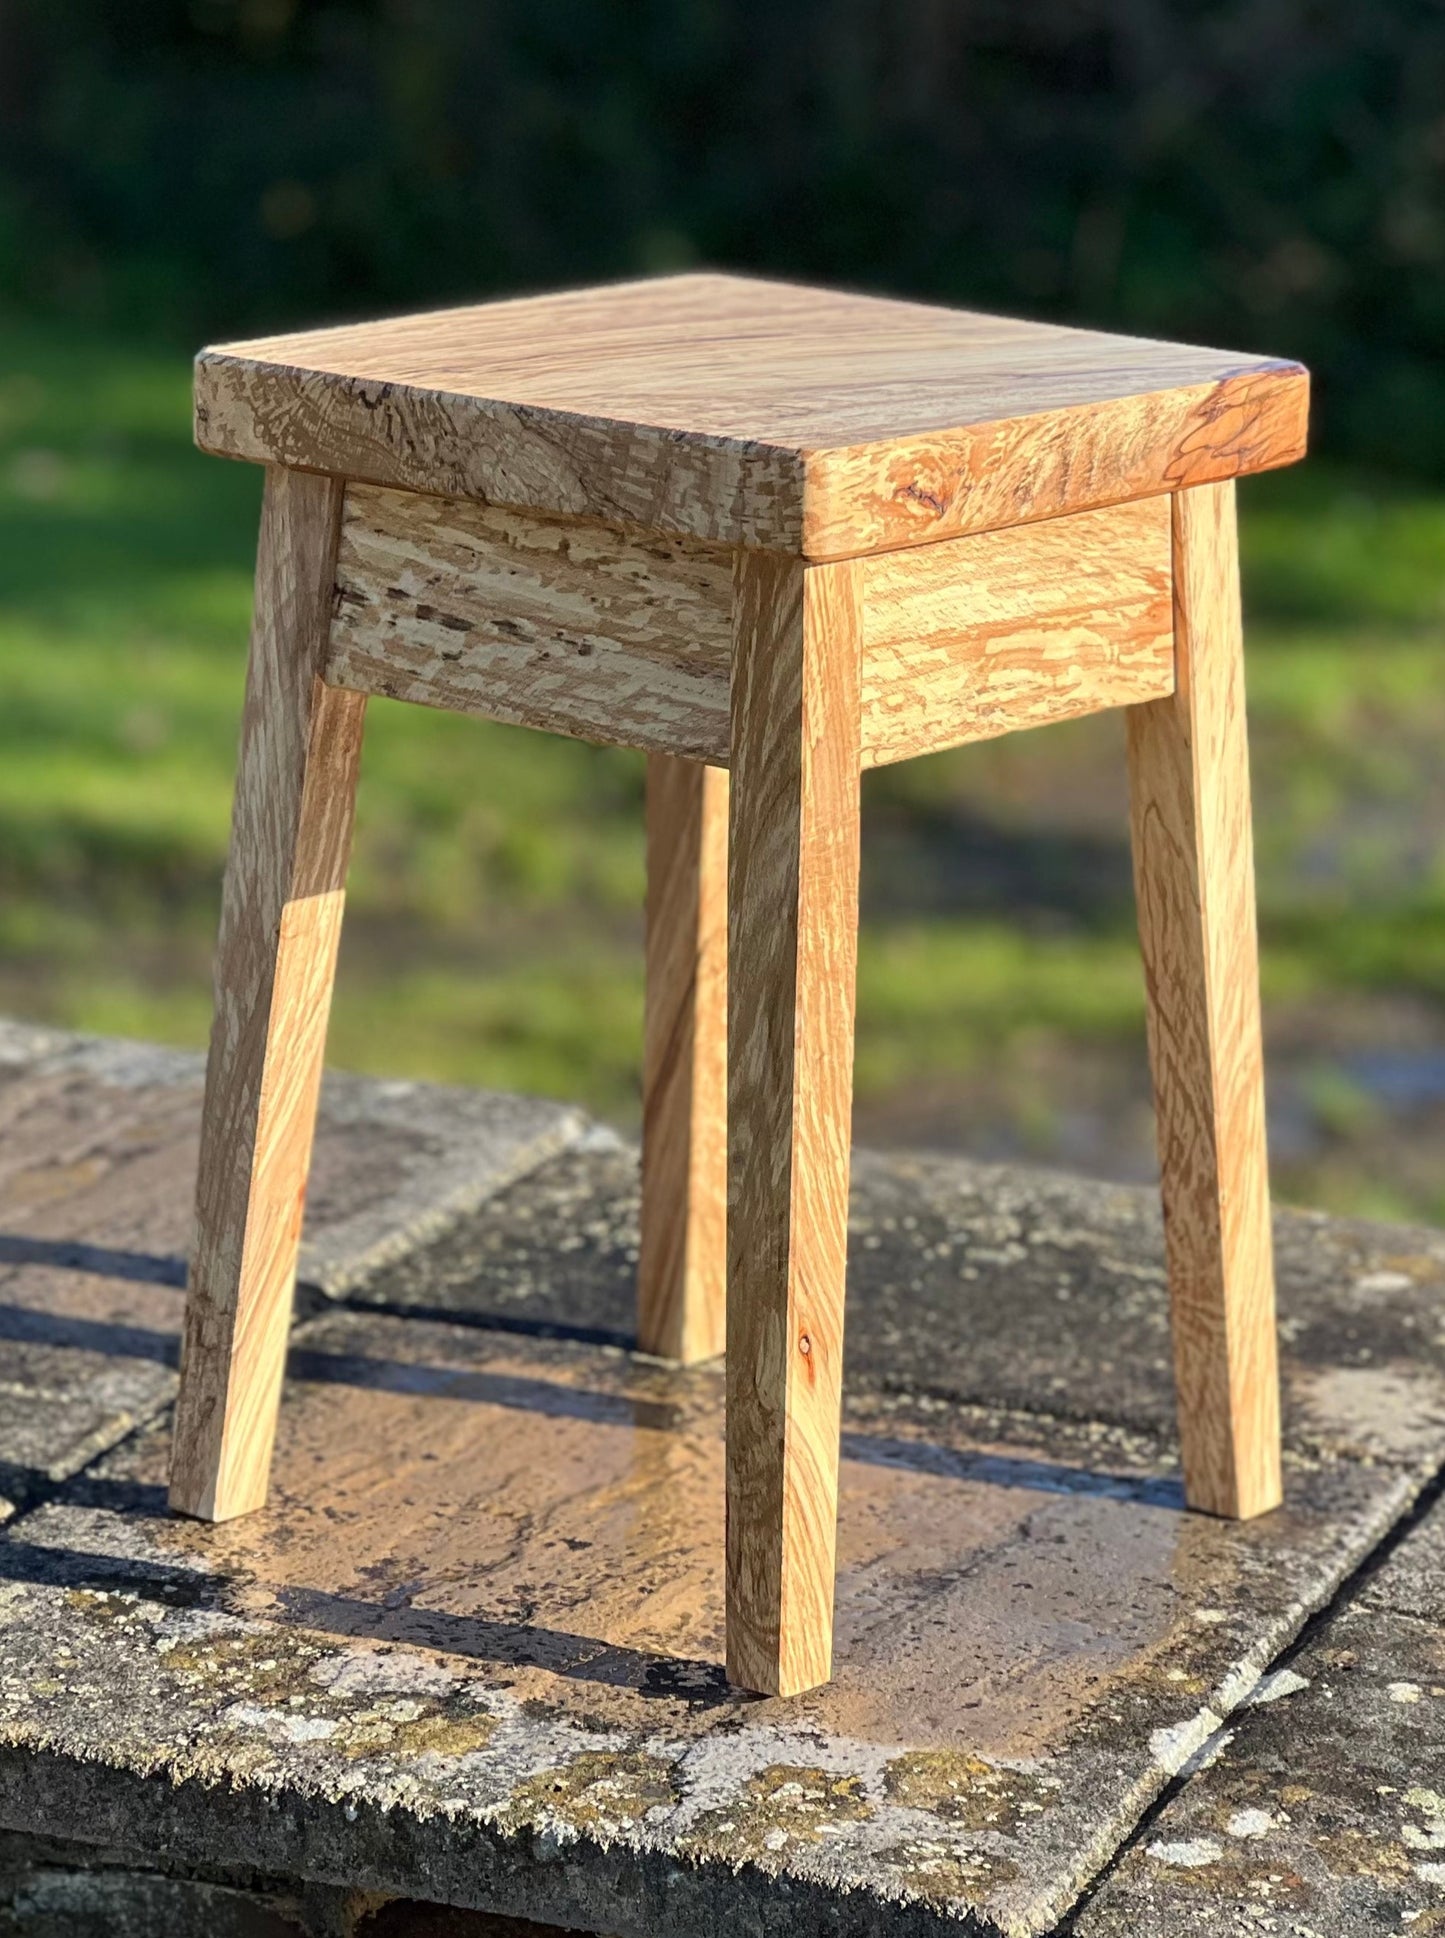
(494, 921)
(494, 898)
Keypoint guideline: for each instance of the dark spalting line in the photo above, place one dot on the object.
(929, 499)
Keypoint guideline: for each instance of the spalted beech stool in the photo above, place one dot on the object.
(771, 536)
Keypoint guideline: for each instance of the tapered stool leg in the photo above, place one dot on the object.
(1194, 876)
(792, 951)
(280, 924)
(681, 1267)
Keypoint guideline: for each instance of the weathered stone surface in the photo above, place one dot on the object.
(397, 1163)
(97, 1159)
(1411, 1580)
(1324, 1811)
(58, 1890)
(50, 1888)
(470, 1654)
(485, 1603)
(998, 1287)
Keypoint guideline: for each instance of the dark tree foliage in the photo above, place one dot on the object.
(1260, 173)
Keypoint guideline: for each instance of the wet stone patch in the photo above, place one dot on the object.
(1083, 1333)
(487, 1595)
(470, 1654)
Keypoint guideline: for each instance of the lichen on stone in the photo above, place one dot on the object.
(408, 1728)
(259, 1665)
(963, 1788)
(932, 1867)
(602, 1791)
(783, 1805)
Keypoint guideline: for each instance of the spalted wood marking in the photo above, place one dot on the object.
(753, 414)
(681, 1302)
(1013, 629)
(275, 960)
(576, 628)
(583, 630)
(1194, 874)
(792, 953)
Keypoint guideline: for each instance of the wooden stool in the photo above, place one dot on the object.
(788, 534)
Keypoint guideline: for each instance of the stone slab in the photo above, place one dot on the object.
(1410, 1578)
(55, 1888)
(51, 1888)
(1322, 1814)
(471, 1651)
(97, 1161)
(1000, 1287)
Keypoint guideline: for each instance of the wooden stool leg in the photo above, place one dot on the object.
(681, 1270)
(1194, 875)
(280, 924)
(792, 952)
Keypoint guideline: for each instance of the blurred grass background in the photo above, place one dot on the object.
(1263, 173)
(493, 931)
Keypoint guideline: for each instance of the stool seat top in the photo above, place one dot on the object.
(750, 413)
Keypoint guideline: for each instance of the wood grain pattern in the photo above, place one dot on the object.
(575, 628)
(1042, 458)
(280, 922)
(1194, 874)
(1013, 629)
(792, 951)
(753, 414)
(583, 630)
(681, 1274)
